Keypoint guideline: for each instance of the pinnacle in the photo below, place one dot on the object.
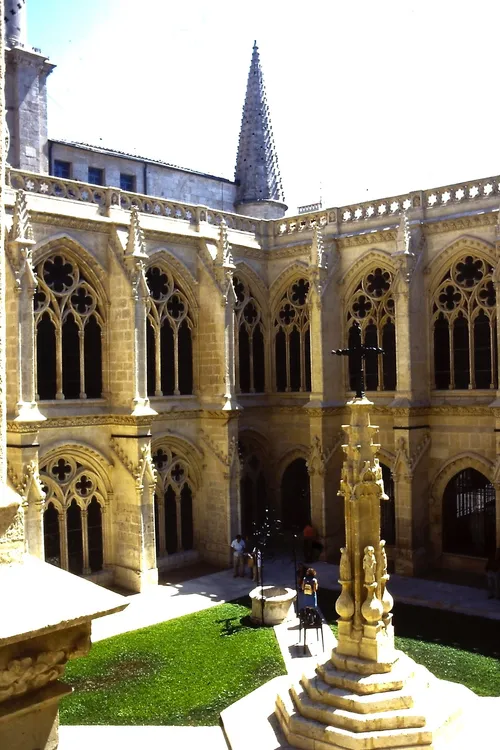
(257, 171)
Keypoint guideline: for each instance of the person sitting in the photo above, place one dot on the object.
(309, 596)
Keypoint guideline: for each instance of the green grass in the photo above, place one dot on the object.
(186, 671)
(454, 647)
(182, 672)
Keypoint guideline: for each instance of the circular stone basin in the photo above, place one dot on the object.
(278, 601)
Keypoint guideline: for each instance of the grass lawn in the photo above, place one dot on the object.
(185, 671)
(454, 647)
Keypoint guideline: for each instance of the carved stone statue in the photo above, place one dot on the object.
(369, 565)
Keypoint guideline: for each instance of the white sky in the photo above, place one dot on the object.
(369, 99)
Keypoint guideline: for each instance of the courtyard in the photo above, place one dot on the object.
(180, 654)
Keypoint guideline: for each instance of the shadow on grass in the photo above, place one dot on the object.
(466, 632)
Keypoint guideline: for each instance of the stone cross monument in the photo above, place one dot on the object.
(367, 694)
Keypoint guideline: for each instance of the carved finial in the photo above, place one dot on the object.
(136, 246)
(404, 240)
(22, 230)
(224, 254)
(318, 255)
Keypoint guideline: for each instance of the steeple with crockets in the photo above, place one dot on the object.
(259, 190)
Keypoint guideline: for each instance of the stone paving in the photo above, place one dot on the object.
(168, 601)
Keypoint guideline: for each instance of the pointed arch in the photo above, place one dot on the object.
(163, 256)
(298, 269)
(77, 486)
(455, 465)
(254, 479)
(79, 254)
(463, 245)
(291, 334)
(372, 257)
(259, 288)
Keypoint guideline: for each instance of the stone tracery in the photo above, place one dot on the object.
(372, 306)
(74, 505)
(250, 356)
(169, 336)
(173, 502)
(292, 339)
(69, 325)
(464, 326)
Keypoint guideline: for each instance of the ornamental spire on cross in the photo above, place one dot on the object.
(357, 353)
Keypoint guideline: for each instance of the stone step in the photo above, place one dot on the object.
(319, 690)
(310, 734)
(409, 718)
(364, 684)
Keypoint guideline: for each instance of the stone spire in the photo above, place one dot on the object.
(15, 23)
(257, 175)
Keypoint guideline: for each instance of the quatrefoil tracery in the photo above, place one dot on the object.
(65, 480)
(64, 291)
(372, 302)
(173, 470)
(467, 290)
(247, 308)
(168, 303)
(292, 311)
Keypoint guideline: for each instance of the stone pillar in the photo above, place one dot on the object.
(16, 31)
(134, 482)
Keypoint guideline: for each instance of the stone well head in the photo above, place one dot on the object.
(271, 604)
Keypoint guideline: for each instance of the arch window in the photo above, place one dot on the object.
(469, 516)
(292, 340)
(173, 503)
(388, 508)
(253, 489)
(73, 516)
(250, 359)
(464, 326)
(69, 325)
(372, 306)
(169, 337)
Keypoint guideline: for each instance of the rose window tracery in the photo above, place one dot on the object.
(249, 340)
(169, 336)
(372, 306)
(292, 339)
(464, 326)
(69, 324)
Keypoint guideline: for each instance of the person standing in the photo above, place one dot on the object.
(238, 547)
(309, 589)
(309, 535)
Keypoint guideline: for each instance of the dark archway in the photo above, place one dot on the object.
(295, 496)
(51, 536)
(469, 516)
(94, 526)
(75, 539)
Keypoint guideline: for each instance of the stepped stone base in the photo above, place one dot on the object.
(361, 709)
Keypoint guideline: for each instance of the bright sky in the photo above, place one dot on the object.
(369, 99)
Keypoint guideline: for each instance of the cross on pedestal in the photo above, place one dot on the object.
(357, 353)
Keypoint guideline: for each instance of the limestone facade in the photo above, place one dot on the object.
(188, 358)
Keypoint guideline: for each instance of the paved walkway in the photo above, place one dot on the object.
(166, 602)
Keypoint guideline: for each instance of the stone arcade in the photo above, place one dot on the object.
(168, 339)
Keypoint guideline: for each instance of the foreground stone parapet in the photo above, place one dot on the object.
(271, 604)
(46, 620)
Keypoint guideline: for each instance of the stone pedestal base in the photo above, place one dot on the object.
(32, 721)
(348, 705)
